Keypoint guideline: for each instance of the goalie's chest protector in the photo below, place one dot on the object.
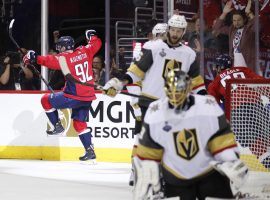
(184, 136)
(163, 56)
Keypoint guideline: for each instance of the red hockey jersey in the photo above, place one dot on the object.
(79, 63)
(217, 87)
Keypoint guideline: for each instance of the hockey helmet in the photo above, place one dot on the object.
(65, 41)
(178, 21)
(159, 28)
(177, 87)
(222, 62)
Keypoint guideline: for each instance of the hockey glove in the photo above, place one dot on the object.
(112, 87)
(147, 179)
(236, 171)
(30, 57)
(89, 34)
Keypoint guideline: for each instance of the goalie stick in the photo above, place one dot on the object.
(23, 53)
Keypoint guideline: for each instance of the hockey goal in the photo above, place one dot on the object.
(247, 107)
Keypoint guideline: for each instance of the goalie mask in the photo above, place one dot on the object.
(65, 41)
(177, 87)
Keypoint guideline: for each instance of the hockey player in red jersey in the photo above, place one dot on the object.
(75, 96)
(225, 71)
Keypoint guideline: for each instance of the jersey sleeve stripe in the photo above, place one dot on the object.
(221, 142)
(197, 82)
(136, 70)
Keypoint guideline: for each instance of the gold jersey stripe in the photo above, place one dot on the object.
(149, 153)
(139, 83)
(149, 96)
(136, 70)
(198, 80)
(221, 142)
(177, 175)
(134, 151)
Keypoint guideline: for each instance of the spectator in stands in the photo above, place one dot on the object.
(4, 71)
(119, 70)
(56, 77)
(15, 76)
(193, 38)
(98, 69)
(241, 34)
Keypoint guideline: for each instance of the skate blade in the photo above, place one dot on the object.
(57, 135)
(89, 162)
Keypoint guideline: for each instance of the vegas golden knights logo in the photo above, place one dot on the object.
(170, 65)
(186, 143)
(65, 118)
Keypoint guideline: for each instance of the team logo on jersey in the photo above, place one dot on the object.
(162, 53)
(154, 108)
(170, 65)
(186, 143)
(210, 101)
(167, 127)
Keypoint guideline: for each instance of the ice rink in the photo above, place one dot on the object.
(59, 180)
(62, 180)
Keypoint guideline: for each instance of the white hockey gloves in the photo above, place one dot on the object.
(147, 180)
(236, 171)
(112, 87)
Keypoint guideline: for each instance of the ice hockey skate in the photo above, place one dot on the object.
(57, 131)
(89, 156)
(131, 178)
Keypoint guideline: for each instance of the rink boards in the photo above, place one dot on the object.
(24, 124)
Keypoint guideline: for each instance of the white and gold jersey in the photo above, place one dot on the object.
(185, 141)
(156, 59)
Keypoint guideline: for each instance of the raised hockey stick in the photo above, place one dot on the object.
(23, 53)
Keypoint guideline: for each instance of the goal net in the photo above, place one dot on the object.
(247, 107)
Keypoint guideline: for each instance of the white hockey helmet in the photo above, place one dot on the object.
(178, 21)
(159, 28)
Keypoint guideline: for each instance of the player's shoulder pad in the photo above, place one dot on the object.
(155, 110)
(207, 105)
(188, 49)
(154, 45)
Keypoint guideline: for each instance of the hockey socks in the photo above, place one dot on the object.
(53, 117)
(86, 139)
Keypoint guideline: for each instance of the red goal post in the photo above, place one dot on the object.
(247, 107)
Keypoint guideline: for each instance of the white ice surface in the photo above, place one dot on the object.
(59, 180)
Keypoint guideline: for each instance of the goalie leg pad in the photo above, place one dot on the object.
(147, 180)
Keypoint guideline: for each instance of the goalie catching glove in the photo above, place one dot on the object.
(147, 180)
(236, 171)
(30, 57)
(112, 87)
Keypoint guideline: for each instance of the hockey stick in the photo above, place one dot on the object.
(23, 53)
(99, 87)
